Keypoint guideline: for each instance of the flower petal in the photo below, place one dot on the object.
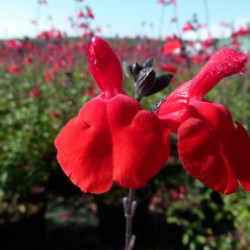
(173, 110)
(215, 114)
(85, 149)
(236, 150)
(140, 140)
(223, 63)
(105, 67)
(200, 151)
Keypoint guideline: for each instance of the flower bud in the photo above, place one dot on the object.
(144, 81)
(136, 68)
(128, 70)
(161, 82)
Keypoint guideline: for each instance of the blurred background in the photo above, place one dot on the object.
(45, 80)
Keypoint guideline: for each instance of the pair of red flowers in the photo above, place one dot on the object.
(113, 139)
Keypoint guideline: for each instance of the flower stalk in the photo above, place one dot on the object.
(129, 205)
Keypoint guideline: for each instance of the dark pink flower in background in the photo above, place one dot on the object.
(14, 68)
(34, 93)
(90, 13)
(80, 14)
(55, 114)
(187, 27)
(14, 44)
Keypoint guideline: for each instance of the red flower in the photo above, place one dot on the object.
(55, 114)
(210, 147)
(14, 69)
(171, 46)
(188, 26)
(80, 14)
(89, 13)
(14, 44)
(223, 63)
(197, 59)
(169, 68)
(112, 139)
(34, 93)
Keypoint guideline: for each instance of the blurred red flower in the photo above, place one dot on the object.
(188, 26)
(169, 68)
(210, 147)
(89, 13)
(14, 68)
(55, 114)
(14, 44)
(112, 139)
(172, 45)
(34, 93)
(80, 14)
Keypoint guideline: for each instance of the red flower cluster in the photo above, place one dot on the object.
(113, 139)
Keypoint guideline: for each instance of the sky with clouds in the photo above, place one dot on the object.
(122, 17)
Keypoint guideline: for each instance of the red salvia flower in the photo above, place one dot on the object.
(172, 46)
(169, 68)
(90, 13)
(80, 14)
(112, 138)
(14, 44)
(225, 62)
(210, 147)
(188, 26)
(14, 68)
(34, 93)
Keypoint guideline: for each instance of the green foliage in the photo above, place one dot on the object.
(29, 124)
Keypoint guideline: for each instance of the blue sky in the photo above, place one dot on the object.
(124, 17)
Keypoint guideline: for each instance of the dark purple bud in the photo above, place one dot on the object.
(128, 70)
(161, 82)
(144, 81)
(136, 68)
(148, 63)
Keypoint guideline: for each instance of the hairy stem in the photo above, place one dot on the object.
(129, 210)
